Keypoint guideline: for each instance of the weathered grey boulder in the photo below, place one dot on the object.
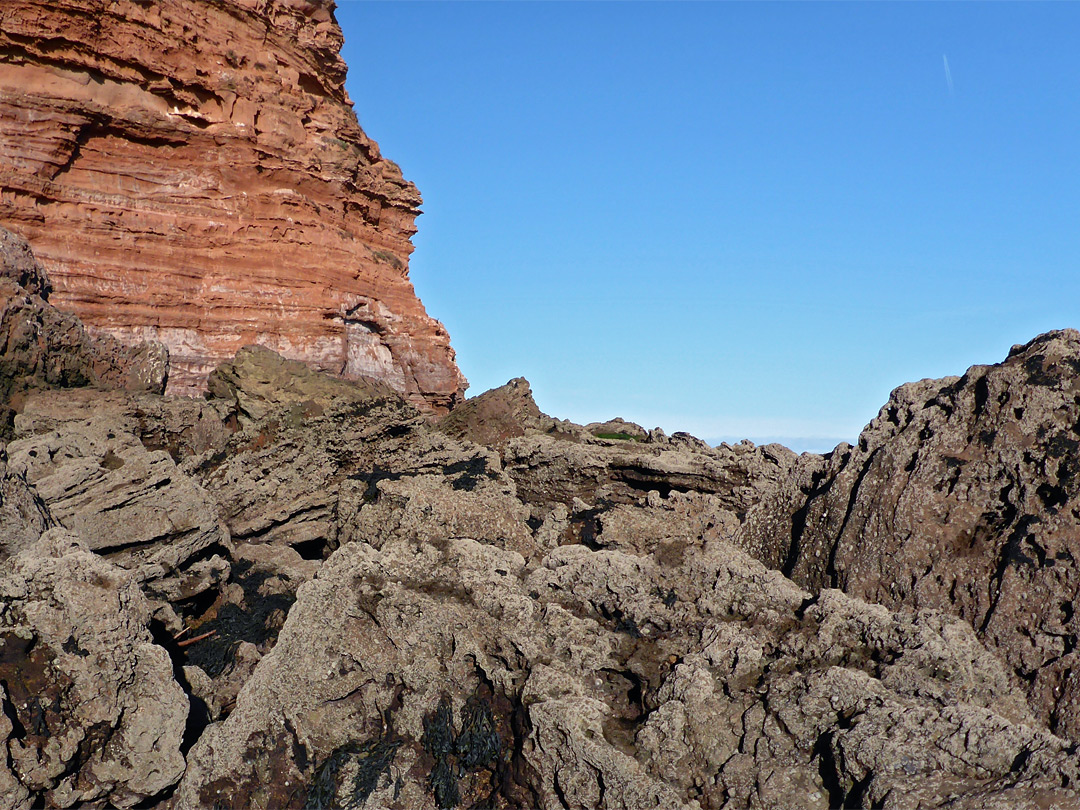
(448, 672)
(257, 380)
(494, 417)
(181, 426)
(553, 469)
(41, 347)
(617, 428)
(23, 515)
(300, 474)
(126, 502)
(92, 713)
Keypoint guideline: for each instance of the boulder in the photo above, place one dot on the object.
(127, 503)
(257, 380)
(92, 713)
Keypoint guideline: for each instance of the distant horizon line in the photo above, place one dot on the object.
(798, 444)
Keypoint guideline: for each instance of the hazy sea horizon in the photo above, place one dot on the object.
(800, 444)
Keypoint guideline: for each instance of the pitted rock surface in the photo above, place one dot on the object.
(93, 713)
(129, 503)
(962, 495)
(576, 682)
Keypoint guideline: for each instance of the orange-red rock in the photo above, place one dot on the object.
(193, 171)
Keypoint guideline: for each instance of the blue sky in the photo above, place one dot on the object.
(735, 219)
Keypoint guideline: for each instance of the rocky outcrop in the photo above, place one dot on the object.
(302, 593)
(455, 674)
(193, 172)
(962, 495)
(257, 380)
(129, 503)
(18, 263)
(23, 514)
(496, 416)
(492, 655)
(92, 712)
(42, 347)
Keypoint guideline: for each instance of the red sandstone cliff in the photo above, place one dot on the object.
(193, 171)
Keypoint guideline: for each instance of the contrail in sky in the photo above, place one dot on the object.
(948, 73)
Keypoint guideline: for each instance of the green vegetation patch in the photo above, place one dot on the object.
(622, 437)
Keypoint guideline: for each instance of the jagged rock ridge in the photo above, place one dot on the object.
(192, 171)
(963, 495)
(302, 593)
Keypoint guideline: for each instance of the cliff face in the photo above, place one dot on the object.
(192, 171)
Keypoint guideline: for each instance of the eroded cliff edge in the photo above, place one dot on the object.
(192, 171)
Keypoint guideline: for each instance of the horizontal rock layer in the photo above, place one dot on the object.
(192, 171)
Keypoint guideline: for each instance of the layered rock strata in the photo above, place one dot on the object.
(193, 172)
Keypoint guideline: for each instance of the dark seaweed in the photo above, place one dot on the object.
(322, 795)
(444, 784)
(234, 623)
(478, 745)
(372, 758)
(438, 740)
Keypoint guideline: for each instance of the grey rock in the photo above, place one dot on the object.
(180, 426)
(102, 719)
(42, 347)
(18, 263)
(128, 503)
(591, 687)
(496, 416)
(961, 495)
(23, 514)
(302, 475)
(618, 428)
(257, 380)
(549, 469)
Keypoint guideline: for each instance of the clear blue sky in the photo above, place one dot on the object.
(736, 219)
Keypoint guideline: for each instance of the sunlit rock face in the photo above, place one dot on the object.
(192, 171)
(960, 496)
